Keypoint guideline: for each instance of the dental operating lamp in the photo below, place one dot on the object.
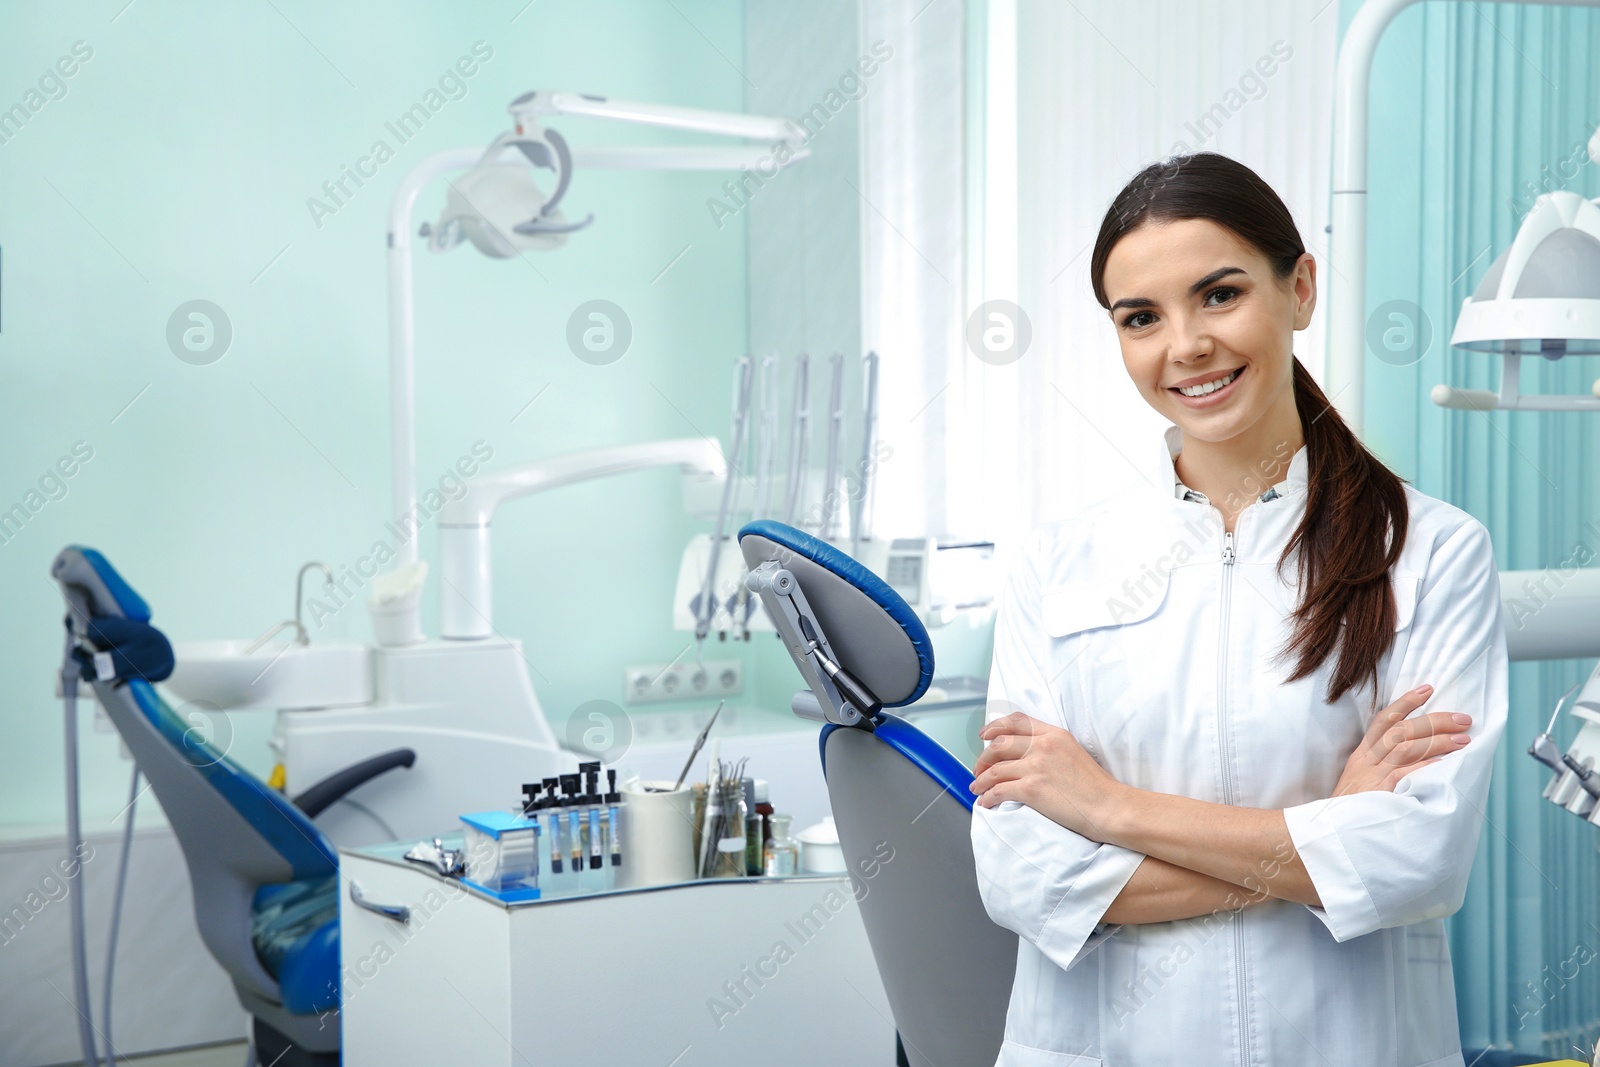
(1351, 119)
(1540, 297)
(499, 181)
(1566, 624)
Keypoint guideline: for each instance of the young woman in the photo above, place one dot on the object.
(1206, 806)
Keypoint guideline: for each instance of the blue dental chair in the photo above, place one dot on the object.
(265, 879)
(946, 966)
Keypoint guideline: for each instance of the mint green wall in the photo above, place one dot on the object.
(1476, 108)
(177, 166)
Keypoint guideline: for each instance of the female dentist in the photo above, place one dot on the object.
(1205, 805)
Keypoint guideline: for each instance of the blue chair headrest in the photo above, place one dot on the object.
(115, 620)
(93, 587)
(874, 633)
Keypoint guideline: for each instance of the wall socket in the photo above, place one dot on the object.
(658, 683)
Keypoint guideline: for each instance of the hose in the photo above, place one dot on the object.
(80, 958)
(80, 962)
(116, 916)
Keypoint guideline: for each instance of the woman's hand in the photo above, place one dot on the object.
(1395, 745)
(1044, 767)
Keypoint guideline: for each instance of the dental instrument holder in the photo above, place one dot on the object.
(1576, 785)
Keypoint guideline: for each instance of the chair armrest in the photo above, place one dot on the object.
(318, 798)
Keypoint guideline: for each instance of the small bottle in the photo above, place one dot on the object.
(782, 852)
(613, 801)
(570, 784)
(754, 844)
(552, 805)
(596, 803)
(764, 807)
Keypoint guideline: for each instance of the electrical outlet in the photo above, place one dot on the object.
(657, 683)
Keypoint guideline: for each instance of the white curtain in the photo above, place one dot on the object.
(998, 192)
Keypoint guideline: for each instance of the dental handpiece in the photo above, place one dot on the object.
(1544, 748)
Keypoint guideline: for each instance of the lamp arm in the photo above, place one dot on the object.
(535, 106)
(465, 599)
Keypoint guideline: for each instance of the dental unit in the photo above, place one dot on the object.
(464, 698)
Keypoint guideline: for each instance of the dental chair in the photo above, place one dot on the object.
(265, 879)
(946, 966)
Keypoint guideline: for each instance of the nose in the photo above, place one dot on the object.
(1190, 338)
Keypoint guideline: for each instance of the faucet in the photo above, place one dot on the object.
(300, 635)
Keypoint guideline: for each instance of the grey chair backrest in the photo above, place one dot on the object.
(904, 817)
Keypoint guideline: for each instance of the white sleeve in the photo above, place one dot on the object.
(1048, 884)
(1382, 859)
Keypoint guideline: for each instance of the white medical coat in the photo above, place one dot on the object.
(1125, 625)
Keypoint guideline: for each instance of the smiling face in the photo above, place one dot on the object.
(1207, 330)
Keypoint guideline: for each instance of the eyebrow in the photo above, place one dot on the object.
(1146, 302)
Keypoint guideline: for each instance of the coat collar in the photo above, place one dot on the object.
(1172, 444)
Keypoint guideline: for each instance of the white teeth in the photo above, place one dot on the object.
(1209, 387)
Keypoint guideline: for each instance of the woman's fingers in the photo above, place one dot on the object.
(1395, 713)
(1017, 722)
(1002, 748)
(1005, 771)
(1440, 739)
(1414, 738)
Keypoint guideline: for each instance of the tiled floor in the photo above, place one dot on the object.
(230, 1055)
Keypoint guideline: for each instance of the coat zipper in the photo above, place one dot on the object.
(1225, 750)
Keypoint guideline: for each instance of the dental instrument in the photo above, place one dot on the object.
(766, 449)
(704, 604)
(830, 479)
(1544, 747)
(861, 503)
(709, 810)
(799, 439)
(740, 605)
(698, 743)
(448, 862)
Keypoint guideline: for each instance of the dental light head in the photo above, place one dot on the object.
(500, 208)
(1540, 297)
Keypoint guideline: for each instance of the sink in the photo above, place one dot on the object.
(278, 675)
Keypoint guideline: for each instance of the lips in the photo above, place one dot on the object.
(1215, 396)
(1187, 387)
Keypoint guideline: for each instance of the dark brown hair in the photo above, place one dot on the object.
(1355, 519)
